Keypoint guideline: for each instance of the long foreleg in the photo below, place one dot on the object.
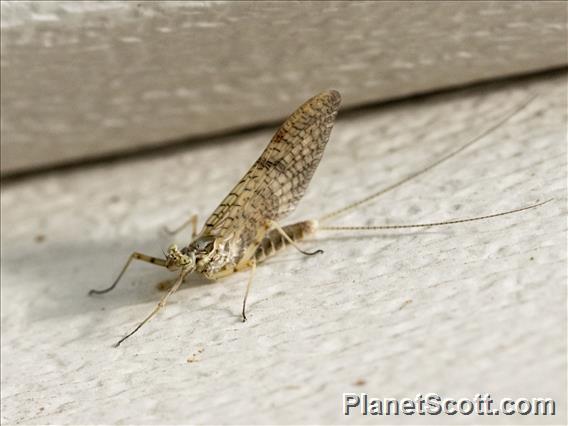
(159, 306)
(134, 256)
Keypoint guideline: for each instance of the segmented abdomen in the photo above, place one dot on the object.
(274, 241)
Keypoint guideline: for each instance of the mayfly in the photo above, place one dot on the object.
(245, 228)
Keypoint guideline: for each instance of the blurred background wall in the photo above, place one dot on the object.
(88, 80)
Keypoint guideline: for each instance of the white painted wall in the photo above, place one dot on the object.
(85, 79)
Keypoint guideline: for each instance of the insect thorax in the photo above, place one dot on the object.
(211, 254)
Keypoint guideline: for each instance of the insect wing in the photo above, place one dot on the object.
(276, 182)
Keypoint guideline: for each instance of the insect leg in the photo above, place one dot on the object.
(159, 306)
(137, 256)
(252, 264)
(191, 221)
(287, 237)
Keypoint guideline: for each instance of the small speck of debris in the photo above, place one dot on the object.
(41, 408)
(405, 303)
(532, 258)
(194, 357)
(39, 238)
(360, 382)
(293, 387)
(114, 199)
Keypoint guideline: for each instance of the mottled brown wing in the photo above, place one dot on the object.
(278, 179)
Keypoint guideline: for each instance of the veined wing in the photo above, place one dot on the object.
(279, 178)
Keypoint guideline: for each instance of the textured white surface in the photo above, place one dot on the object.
(458, 311)
(84, 79)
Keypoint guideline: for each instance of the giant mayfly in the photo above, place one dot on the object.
(245, 228)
